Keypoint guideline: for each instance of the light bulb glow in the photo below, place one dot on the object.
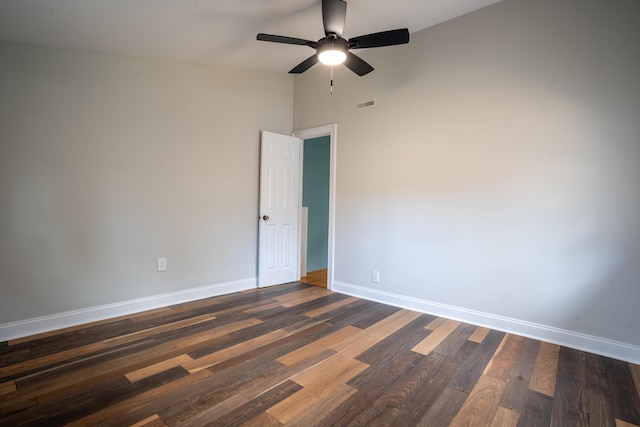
(332, 57)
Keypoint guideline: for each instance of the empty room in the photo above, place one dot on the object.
(320, 212)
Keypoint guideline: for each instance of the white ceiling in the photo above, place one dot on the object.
(209, 31)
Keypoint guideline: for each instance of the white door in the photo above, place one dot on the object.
(279, 204)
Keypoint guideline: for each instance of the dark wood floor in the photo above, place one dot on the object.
(301, 355)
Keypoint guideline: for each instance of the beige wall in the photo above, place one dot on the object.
(108, 162)
(500, 170)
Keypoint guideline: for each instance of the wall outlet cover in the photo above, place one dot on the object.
(162, 264)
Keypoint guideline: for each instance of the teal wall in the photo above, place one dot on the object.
(315, 196)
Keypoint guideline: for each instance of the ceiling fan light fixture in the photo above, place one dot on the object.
(331, 54)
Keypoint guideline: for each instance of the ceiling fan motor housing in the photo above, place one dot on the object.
(332, 50)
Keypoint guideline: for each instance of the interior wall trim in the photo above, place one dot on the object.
(579, 341)
(23, 328)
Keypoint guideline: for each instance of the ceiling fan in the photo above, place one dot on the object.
(333, 49)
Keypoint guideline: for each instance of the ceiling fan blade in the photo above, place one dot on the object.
(334, 13)
(357, 64)
(285, 40)
(384, 38)
(305, 65)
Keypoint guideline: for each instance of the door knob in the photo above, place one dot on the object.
(265, 217)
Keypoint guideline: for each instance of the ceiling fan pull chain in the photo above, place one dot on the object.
(331, 85)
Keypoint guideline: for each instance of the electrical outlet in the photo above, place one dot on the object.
(375, 276)
(162, 264)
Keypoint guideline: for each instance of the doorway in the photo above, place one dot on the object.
(315, 154)
(321, 228)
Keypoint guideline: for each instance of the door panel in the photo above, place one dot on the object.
(279, 203)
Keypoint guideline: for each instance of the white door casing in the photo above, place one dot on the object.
(279, 209)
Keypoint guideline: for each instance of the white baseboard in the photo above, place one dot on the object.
(576, 340)
(53, 322)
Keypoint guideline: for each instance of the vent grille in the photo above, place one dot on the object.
(366, 104)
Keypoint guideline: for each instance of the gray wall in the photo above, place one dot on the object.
(108, 162)
(500, 171)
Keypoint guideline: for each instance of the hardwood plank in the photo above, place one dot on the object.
(505, 418)
(259, 384)
(303, 324)
(156, 368)
(8, 387)
(436, 323)
(624, 396)
(278, 321)
(403, 401)
(152, 421)
(371, 384)
(569, 386)
(10, 407)
(317, 385)
(302, 296)
(13, 354)
(444, 409)
(262, 420)
(455, 340)
(471, 369)
(596, 408)
(163, 393)
(379, 331)
(70, 330)
(219, 392)
(516, 393)
(222, 399)
(158, 329)
(343, 313)
(373, 316)
(266, 401)
(51, 359)
(78, 404)
(83, 373)
(328, 308)
(482, 403)
(397, 343)
(536, 410)
(635, 374)
(479, 334)
(206, 415)
(620, 423)
(205, 362)
(543, 378)
(325, 405)
(504, 360)
(202, 337)
(264, 307)
(343, 368)
(317, 346)
(349, 314)
(271, 351)
(305, 306)
(427, 345)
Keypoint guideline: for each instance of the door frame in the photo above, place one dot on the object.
(332, 132)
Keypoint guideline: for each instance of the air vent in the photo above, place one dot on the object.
(366, 104)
